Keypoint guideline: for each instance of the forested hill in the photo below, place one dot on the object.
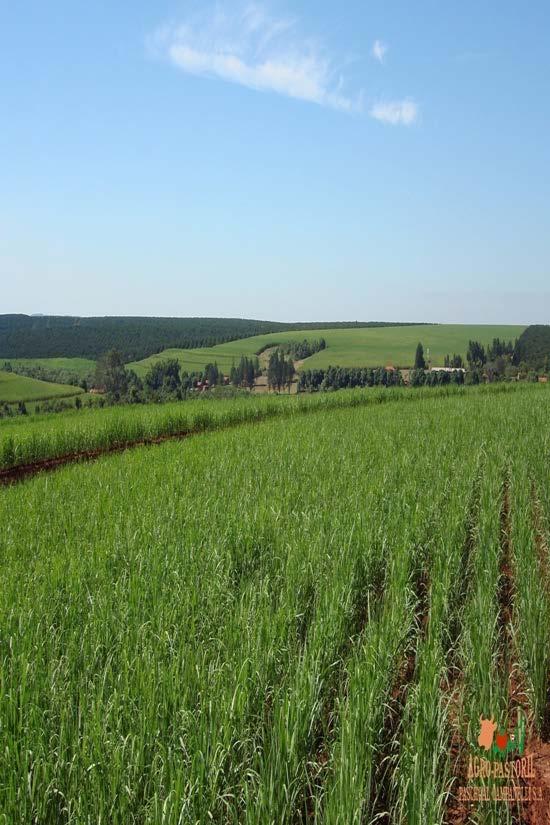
(50, 336)
(533, 346)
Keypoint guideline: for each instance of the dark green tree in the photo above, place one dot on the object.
(163, 377)
(273, 371)
(212, 374)
(280, 371)
(417, 377)
(250, 374)
(111, 375)
(134, 393)
(419, 360)
(288, 372)
(245, 373)
(476, 355)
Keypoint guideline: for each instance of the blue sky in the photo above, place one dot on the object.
(290, 161)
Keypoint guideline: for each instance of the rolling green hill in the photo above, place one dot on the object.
(14, 388)
(379, 347)
(52, 336)
(365, 347)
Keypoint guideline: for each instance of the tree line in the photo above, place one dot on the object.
(304, 349)
(25, 336)
(244, 374)
(50, 336)
(280, 371)
(533, 347)
(500, 360)
(298, 349)
(338, 378)
(51, 374)
(164, 380)
(436, 378)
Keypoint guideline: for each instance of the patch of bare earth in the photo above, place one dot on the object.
(538, 812)
(543, 555)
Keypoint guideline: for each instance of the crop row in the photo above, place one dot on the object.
(295, 622)
(99, 430)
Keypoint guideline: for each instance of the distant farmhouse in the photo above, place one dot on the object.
(447, 369)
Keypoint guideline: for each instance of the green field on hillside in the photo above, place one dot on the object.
(380, 347)
(296, 621)
(348, 347)
(79, 367)
(15, 388)
(195, 360)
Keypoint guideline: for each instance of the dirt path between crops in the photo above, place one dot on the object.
(327, 721)
(538, 813)
(399, 693)
(543, 555)
(507, 659)
(532, 812)
(452, 685)
(20, 472)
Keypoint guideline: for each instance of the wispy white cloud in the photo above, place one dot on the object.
(254, 49)
(396, 112)
(379, 51)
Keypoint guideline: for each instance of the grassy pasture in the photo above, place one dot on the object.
(348, 347)
(80, 367)
(279, 623)
(14, 388)
(383, 348)
(194, 360)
